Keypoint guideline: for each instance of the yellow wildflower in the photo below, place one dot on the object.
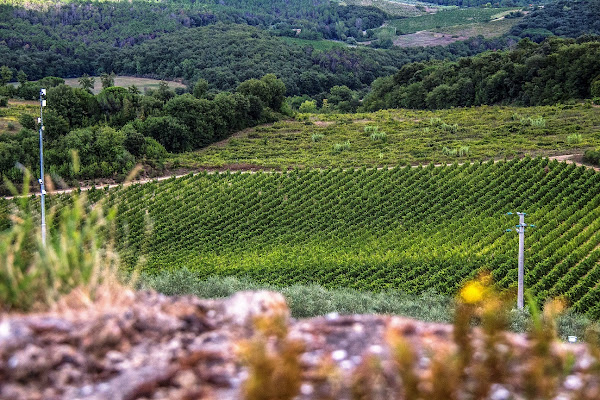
(472, 292)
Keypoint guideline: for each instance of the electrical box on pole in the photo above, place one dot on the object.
(520, 229)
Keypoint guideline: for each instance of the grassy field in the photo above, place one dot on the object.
(142, 84)
(396, 8)
(447, 18)
(9, 116)
(490, 29)
(410, 137)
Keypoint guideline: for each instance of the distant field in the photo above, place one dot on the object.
(9, 116)
(449, 34)
(322, 45)
(447, 18)
(486, 29)
(397, 8)
(142, 84)
(411, 137)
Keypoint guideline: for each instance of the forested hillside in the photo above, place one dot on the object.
(532, 74)
(569, 18)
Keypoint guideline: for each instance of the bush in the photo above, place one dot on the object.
(339, 147)
(379, 136)
(317, 137)
(27, 121)
(3, 101)
(574, 138)
(592, 156)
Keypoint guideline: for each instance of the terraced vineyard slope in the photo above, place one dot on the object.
(393, 137)
(407, 228)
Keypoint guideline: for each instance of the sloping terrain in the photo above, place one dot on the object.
(409, 229)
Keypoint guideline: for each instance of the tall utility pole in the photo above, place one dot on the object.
(41, 180)
(520, 228)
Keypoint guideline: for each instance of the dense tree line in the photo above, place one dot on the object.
(569, 18)
(119, 126)
(225, 55)
(532, 74)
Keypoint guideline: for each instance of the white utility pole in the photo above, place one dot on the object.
(520, 228)
(41, 180)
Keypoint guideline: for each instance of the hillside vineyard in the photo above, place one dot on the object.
(409, 229)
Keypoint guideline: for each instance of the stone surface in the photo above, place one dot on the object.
(159, 347)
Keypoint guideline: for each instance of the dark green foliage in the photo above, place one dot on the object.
(168, 132)
(6, 75)
(595, 88)
(27, 121)
(118, 105)
(101, 152)
(76, 106)
(269, 89)
(200, 88)
(592, 157)
(171, 40)
(569, 18)
(554, 71)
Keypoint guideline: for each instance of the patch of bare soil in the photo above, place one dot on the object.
(323, 123)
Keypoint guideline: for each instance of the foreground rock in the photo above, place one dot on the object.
(157, 347)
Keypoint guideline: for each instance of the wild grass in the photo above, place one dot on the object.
(9, 116)
(142, 84)
(314, 300)
(413, 137)
(78, 255)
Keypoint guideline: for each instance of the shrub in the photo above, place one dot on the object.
(309, 106)
(449, 152)
(3, 101)
(317, 137)
(574, 138)
(592, 156)
(435, 121)
(539, 122)
(449, 128)
(339, 147)
(379, 136)
(27, 121)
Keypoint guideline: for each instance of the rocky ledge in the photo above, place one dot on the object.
(158, 347)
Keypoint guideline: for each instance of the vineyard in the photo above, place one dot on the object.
(404, 228)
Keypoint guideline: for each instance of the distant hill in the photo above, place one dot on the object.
(554, 71)
(562, 18)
